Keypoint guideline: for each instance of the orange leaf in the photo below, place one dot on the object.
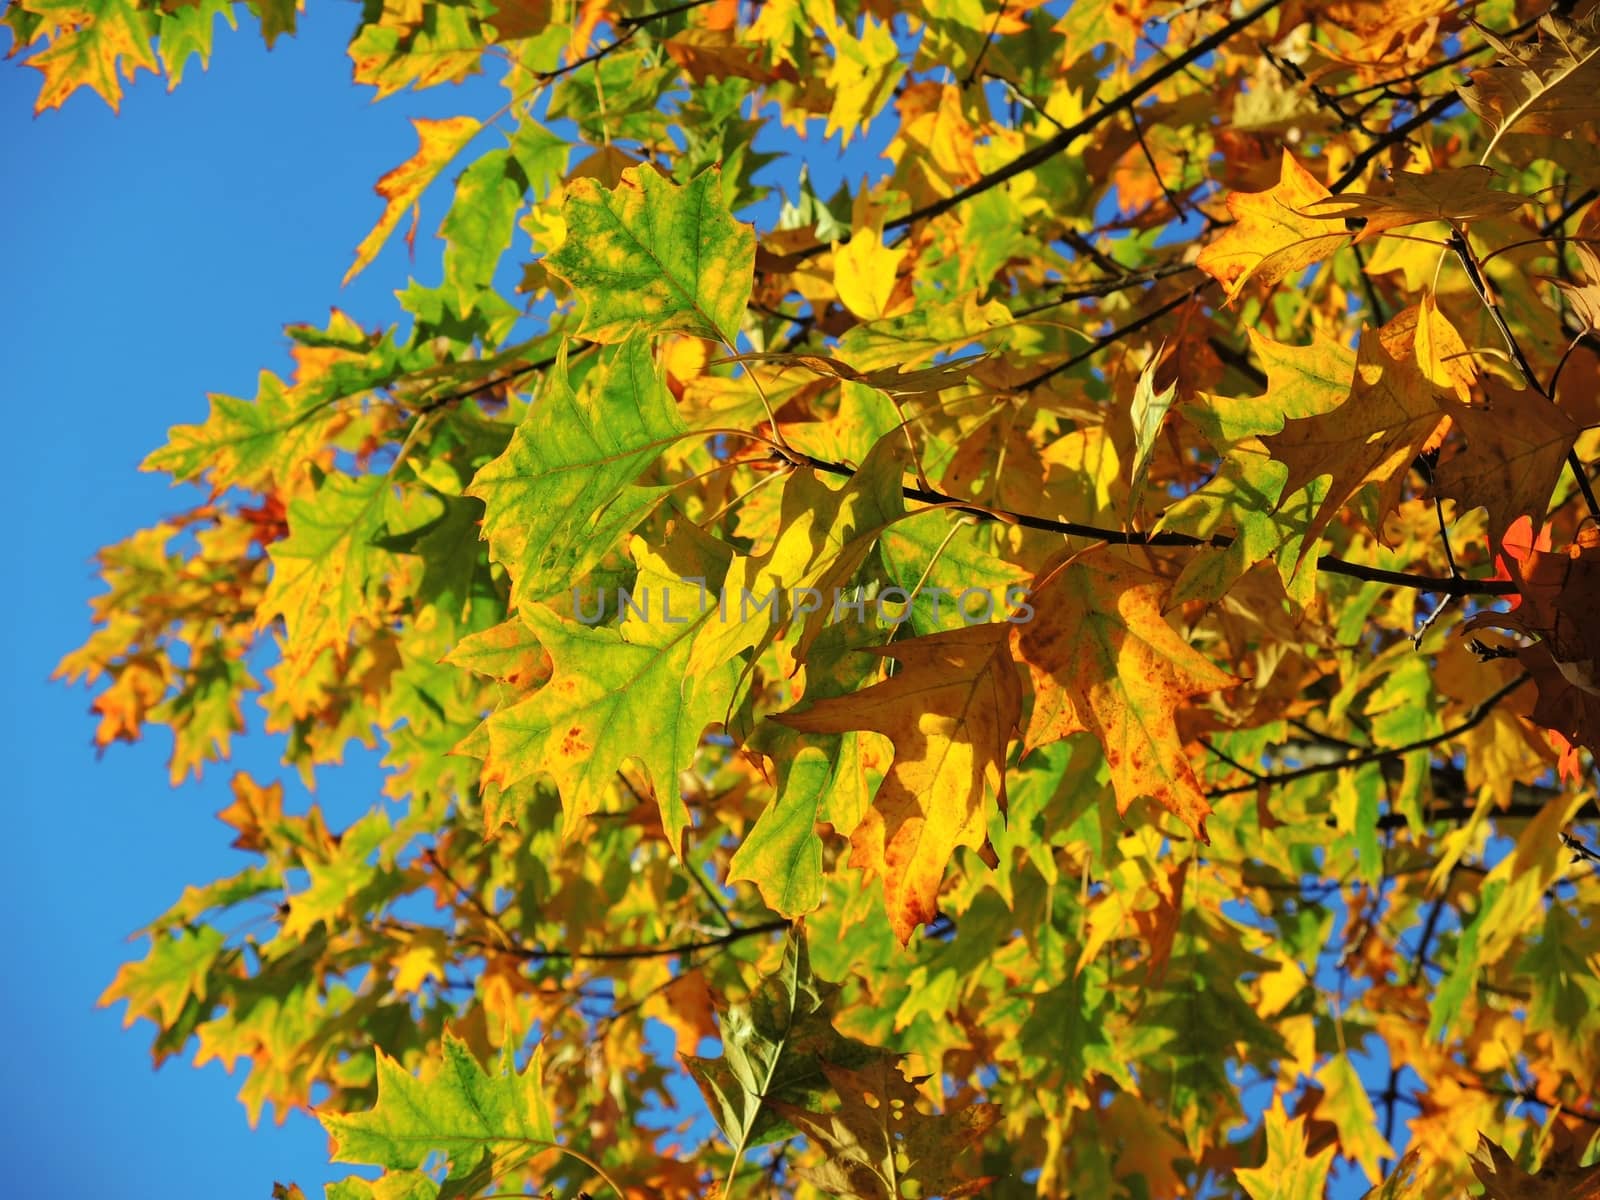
(403, 186)
(950, 711)
(1271, 237)
(1104, 660)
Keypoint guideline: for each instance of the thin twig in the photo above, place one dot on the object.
(1471, 721)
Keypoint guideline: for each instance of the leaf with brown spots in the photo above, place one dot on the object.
(613, 698)
(1104, 660)
(950, 711)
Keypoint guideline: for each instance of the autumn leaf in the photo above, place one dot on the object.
(453, 1108)
(87, 47)
(1247, 496)
(402, 187)
(1372, 437)
(1519, 444)
(880, 1144)
(1103, 660)
(1288, 1173)
(864, 271)
(175, 969)
(1149, 410)
(950, 710)
(321, 572)
(1271, 238)
(587, 723)
(564, 492)
(1459, 196)
(1561, 1177)
(650, 254)
(1546, 87)
(774, 1045)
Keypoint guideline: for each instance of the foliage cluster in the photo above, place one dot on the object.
(1190, 791)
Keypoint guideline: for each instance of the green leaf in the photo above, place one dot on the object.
(161, 983)
(1444, 1010)
(653, 255)
(609, 701)
(1243, 498)
(322, 571)
(454, 1108)
(1566, 994)
(1149, 410)
(563, 494)
(478, 227)
(773, 1048)
(394, 1185)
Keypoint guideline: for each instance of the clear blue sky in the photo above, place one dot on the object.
(153, 257)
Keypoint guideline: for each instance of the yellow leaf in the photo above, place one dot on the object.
(1372, 437)
(950, 711)
(1271, 237)
(1104, 660)
(864, 272)
(403, 186)
(1289, 1173)
(422, 959)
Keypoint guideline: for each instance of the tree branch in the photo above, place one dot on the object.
(1472, 720)
(1056, 144)
(1327, 563)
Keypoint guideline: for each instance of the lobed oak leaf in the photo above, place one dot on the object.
(401, 188)
(324, 572)
(879, 1143)
(651, 254)
(1290, 1171)
(454, 1108)
(1517, 444)
(563, 493)
(1558, 592)
(87, 46)
(1103, 660)
(1271, 237)
(1373, 437)
(1459, 195)
(1302, 381)
(1560, 1178)
(1345, 1103)
(177, 968)
(774, 1045)
(609, 700)
(950, 711)
(1584, 298)
(1550, 86)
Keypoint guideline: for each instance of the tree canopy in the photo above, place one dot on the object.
(1064, 667)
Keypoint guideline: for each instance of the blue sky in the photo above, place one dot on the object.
(153, 257)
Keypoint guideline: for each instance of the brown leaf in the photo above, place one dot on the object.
(1561, 1178)
(1517, 443)
(881, 1145)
